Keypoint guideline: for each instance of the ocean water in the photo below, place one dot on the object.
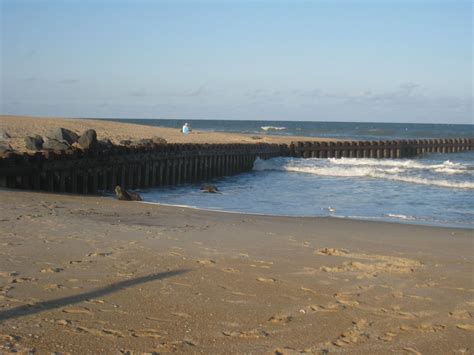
(340, 130)
(433, 189)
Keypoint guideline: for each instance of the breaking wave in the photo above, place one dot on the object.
(272, 128)
(446, 174)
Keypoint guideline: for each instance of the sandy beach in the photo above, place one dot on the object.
(95, 275)
(18, 127)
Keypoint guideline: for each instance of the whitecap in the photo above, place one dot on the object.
(272, 128)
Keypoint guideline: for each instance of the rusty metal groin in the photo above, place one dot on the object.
(379, 149)
(131, 167)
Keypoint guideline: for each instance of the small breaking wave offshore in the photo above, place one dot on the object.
(445, 174)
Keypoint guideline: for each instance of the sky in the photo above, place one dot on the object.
(371, 61)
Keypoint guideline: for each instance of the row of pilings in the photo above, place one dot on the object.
(91, 172)
(379, 149)
(132, 167)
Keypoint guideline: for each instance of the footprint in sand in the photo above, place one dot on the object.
(280, 319)
(388, 336)
(51, 287)
(378, 263)
(468, 327)
(181, 314)
(395, 312)
(146, 333)
(462, 314)
(332, 251)
(77, 310)
(432, 328)
(231, 270)
(173, 253)
(247, 334)
(63, 322)
(206, 262)
(330, 307)
(345, 300)
(23, 279)
(8, 273)
(180, 346)
(95, 301)
(113, 332)
(52, 270)
(92, 331)
(355, 334)
(292, 351)
(100, 254)
(100, 332)
(266, 280)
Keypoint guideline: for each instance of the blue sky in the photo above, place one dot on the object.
(380, 61)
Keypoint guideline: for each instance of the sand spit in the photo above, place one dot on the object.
(18, 127)
(96, 275)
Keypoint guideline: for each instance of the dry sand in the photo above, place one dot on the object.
(21, 126)
(89, 275)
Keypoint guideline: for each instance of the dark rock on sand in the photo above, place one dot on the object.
(5, 147)
(125, 195)
(148, 141)
(159, 140)
(53, 144)
(126, 142)
(88, 139)
(105, 143)
(4, 135)
(143, 141)
(34, 143)
(63, 135)
(209, 188)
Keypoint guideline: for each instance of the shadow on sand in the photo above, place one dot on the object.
(38, 307)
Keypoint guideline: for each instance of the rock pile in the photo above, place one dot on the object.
(5, 146)
(61, 139)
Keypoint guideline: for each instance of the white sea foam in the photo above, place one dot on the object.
(408, 171)
(272, 128)
(406, 164)
(400, 216)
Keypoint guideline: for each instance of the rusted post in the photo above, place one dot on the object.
(379, 150)
(62, 181)
(346, 149)
(372, 149)
(154, 168)
(49, 181)
(131, 176)
(124, 177)
(306, 150)
(94, 181)
(146, 180)
(85, 182)
(337, 150)
(112, 180)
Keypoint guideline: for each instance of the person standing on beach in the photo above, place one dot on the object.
(185, 129)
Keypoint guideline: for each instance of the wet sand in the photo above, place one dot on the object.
(94, 275)
(21, 126)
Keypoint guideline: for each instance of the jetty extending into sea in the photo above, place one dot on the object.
(92, 171)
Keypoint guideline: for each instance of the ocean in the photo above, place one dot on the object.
(433, 189)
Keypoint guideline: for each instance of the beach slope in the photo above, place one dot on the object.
(94, 275)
